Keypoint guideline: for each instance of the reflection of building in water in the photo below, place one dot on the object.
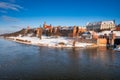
(104, 55)
(93, 53)
(102, 25)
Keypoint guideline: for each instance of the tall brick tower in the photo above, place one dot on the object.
(44, 25)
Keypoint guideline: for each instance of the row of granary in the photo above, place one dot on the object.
(102, 33)
(90, 29)
(78, 32)
(73, 31)
(96, 26)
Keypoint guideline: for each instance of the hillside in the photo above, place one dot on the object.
(17, 33)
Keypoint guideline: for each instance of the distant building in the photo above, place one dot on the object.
(64, 28)
(82, 29)
(102, 25)
(117, 28)
(45, 26)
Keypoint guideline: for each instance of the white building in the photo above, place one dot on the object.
(102, 25)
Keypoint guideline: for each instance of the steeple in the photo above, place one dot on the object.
(44, 25)
(50, 25)
(44, 22)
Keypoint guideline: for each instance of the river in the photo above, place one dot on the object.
(27, 62)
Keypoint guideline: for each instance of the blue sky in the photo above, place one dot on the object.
(16, 14)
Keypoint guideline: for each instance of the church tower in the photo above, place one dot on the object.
(44, 25)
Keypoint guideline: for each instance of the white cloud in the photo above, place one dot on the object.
(9, 19)
(6, 5)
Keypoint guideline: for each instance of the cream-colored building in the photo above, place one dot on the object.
(102, 25)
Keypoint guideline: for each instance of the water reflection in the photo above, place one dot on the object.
(21, 62)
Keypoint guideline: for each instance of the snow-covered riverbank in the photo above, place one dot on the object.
(49, 41)
(117, 33)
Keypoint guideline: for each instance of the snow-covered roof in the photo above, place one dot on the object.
(100, 22)
(108, 22)
(94, 23)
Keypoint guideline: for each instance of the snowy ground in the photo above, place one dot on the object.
(50, 41)
(107, 32)
(55, 42)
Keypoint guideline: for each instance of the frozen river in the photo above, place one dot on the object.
(26, 62)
